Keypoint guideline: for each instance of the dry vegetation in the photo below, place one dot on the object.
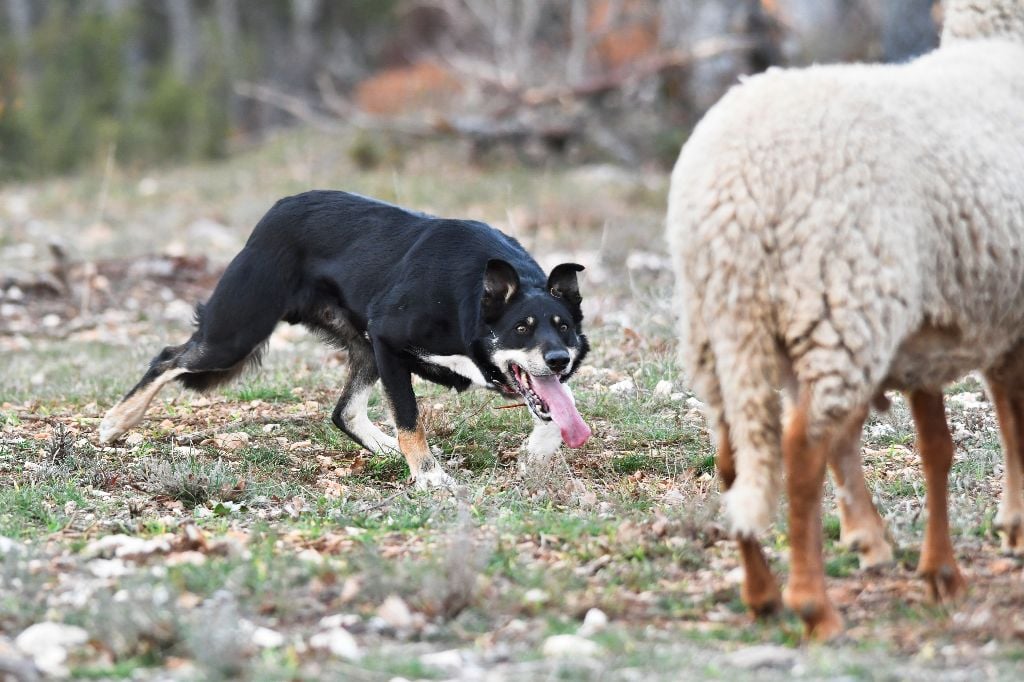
(239, 534)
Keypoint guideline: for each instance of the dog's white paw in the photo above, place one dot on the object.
(384, 445)
(111, 429)
(534, 462)
(433, 478)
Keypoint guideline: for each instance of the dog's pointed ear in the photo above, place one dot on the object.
(562, 282)
(501, 282)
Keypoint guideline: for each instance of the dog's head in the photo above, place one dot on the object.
(537, 340)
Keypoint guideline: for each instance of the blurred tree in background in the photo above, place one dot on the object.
(149, 81)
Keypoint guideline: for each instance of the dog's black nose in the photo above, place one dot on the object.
(557, 360)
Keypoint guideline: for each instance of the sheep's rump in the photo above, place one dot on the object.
(852, 212)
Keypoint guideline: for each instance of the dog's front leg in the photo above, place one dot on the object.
(396, 380)
(542, 444)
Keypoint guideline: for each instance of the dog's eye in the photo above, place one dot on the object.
(522, 329)
(563, 327)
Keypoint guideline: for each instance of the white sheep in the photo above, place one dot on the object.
(838, 231)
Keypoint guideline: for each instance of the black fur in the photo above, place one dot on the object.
(389, 285)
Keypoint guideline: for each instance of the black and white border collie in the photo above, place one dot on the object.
(456, 302)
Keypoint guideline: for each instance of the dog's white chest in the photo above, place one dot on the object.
(460, 364)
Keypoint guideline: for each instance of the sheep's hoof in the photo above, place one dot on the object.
(764, 605)
(946, 585)
(760, 592)
(821, 620)
(823, 625)
(1010, 528)
(871, 547)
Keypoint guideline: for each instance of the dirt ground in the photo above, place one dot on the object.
(238, 534)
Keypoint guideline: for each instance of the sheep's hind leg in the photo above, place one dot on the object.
(935, 444)
(760, 592)
(861, 527)
(805, 459)
(1010, 517)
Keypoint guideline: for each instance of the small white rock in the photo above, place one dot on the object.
(338, 620)
(663, 389)
(133, 439)
(231, 441)
(395, 613)
(109, 568)
(762, 656)
(126, 546)
(9, 546)
(595, 621)
(450, 660)
(674, 497)
(622, 387)
(48, 644)
(535, 596)
(569, 646)
(339, 642)
(265, 638)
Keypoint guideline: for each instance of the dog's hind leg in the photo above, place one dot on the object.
(130, 410)
(231, 329)
(396, 379)
(350, 413)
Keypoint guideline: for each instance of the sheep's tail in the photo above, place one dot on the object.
(749, 372)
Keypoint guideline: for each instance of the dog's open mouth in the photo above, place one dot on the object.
(550, 400)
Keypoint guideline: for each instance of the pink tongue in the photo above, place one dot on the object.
(575, 431)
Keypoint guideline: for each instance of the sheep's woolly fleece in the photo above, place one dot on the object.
(840, 230)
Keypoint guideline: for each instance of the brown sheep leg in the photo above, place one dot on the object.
(759, 592)
(1010, 519)
(861, 527)
(937, 565)
(805, 477)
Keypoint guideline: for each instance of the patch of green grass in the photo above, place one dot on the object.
(987, 527)
(391, 469)
(268, 393)
(325, 433)
(703, 463)
(266, 458)
(479, 459)
(633, 462)
(831, 527)
(899, 487)
(30, 509)
(118, 670)
(842, 565)
(391, 667)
